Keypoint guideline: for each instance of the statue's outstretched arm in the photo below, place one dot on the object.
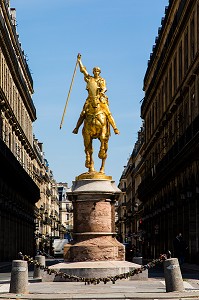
(81, 66)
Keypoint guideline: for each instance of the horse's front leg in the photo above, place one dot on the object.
(103, 154)
(102, 168)
(89, 163)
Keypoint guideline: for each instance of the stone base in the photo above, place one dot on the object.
(96, 269)
(94, 220)
(100, 248)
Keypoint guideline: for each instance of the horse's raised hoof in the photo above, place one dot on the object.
(102, 154)
(87, 164)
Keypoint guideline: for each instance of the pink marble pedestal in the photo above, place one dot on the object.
(94, 222)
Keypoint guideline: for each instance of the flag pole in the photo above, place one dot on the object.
(67, 100)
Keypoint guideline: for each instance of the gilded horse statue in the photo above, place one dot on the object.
(96, 117)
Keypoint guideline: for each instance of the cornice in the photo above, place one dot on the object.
(16, 46)
(162, 53)
(17, 75)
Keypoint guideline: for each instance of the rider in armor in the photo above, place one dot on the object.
(101, 84)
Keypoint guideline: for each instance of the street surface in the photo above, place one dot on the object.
(153, 288)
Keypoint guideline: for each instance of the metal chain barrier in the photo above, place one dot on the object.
(49, 271)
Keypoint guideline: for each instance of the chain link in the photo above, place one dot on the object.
(142, 268)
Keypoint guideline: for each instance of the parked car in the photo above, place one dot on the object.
(58, 247)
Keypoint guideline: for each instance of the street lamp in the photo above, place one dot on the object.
(189, 193)
(182, 195)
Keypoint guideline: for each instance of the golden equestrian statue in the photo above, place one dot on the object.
(96, 117)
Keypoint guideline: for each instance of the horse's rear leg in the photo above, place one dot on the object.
(89, 163)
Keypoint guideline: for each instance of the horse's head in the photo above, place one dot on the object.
(95, 102)
(92, 87)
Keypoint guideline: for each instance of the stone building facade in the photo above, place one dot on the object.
(169, 190)
(129, 207)
(65, 210)
(29, 202)
(124, 203)
(18, 190)
(47, 221)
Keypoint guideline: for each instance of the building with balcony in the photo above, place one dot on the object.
(65, 210)
(18, 189)
(47, 222)
(129, 207)
(120, 209)
(169, 188)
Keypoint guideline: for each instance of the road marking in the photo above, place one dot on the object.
(186, 284)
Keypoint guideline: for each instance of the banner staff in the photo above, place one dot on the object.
(64, 112)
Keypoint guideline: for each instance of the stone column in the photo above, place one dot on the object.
(94, 207)
(37, 270)
(173, 276)
(19, 277)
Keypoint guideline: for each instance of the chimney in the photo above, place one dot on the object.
(8, 3)
(40, 146)
(13, 16)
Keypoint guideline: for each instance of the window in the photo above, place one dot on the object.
(163, 98)
(170, 83)
(193, 103)
(155, 112)
(152, 119)
(192, 39)
(175, 127)
(175, 74)
(198, 26)
(160, 103)
(186, 113)
(180, 63)
(10, 141)
(166, 92)
(186, 53)
(180, 120)
(158, 108)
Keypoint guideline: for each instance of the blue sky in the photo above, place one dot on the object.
(117, 36)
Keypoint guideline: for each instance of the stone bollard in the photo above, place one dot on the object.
(19, 277)
(173, 276)
(37, 271)
(137, 260)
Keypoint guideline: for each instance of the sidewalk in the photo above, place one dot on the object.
(153, 288)
(122, 289)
